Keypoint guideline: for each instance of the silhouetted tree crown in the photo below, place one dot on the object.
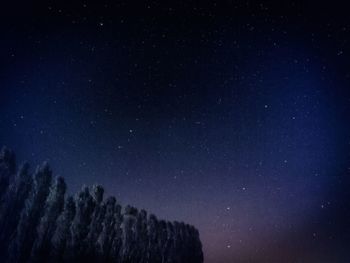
(38, 223)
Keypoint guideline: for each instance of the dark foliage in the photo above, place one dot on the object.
(38, 223)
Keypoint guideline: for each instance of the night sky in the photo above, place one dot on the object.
(232, 116)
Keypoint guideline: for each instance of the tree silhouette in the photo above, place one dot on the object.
(96, 223)
(20, 247)
(7, 168)
(14, 201)
(38, 223)
(62, 237)
(47, 226)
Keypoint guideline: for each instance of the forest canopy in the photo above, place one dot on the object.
(39, 222)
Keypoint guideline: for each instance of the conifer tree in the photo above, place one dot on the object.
(53, 208)
(141, 236)
(169, 246)
(37, 224)
(153, 247)
(195, 246)
(62, 237)
(21, 245)
(116, 246)
(162, 238)
(96, 223)
(7, 169)
(80, 226)
(13, 205)
(128, 227)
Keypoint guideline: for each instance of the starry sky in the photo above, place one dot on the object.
(232, 116)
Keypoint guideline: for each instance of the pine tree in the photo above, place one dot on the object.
(80, 226)
(169, 246)
(153, 247)
(96, 223)
(178, 242)
(37, 224)
(162, 238)
(128, 227)
(21, 245)
(116, 245)
(62, 236)
(141, 237)
(196, 252)
(47, 226)
(13, 205)
(108, 232)
(7, 169)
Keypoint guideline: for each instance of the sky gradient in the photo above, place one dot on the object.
(231, 116)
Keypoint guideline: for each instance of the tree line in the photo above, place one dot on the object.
(40, 223)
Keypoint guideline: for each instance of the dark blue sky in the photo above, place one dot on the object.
(231, 116)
